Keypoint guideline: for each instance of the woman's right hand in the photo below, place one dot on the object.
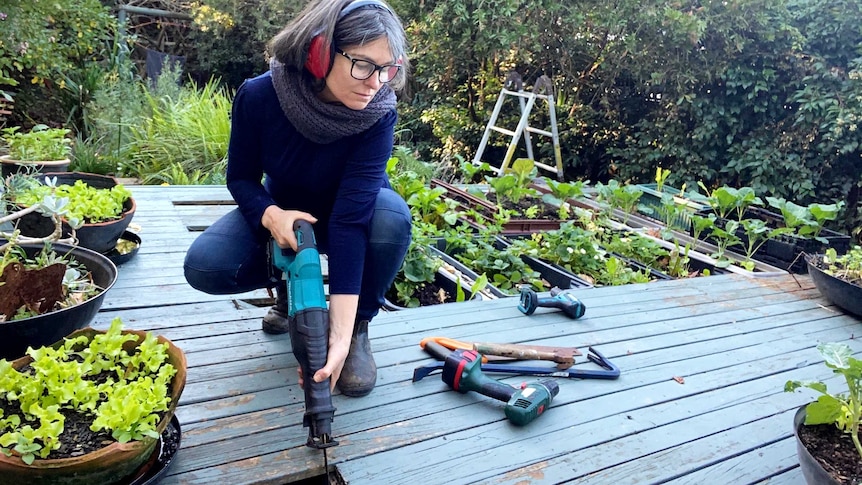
(280, 224)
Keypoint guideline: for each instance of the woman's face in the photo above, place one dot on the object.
(342, 88)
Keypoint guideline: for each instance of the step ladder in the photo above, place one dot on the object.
(527, 100)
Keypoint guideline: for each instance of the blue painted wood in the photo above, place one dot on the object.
(733, 340)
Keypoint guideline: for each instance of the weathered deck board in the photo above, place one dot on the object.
(734, 341)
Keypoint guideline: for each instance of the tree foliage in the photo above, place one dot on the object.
(41, 40)
(763, 93)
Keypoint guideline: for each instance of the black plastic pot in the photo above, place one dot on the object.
(840, 292)
(101, 237)
(812, 471)
(120, 258)
(45, 329)
(9, 166)
(442, 281)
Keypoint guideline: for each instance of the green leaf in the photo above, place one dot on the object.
(825, 410)
(836, 355)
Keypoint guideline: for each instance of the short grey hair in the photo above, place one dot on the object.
(359, 27)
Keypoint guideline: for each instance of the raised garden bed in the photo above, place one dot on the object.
(488, 209)
(551, 275)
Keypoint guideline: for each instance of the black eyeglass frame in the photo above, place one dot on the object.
(377, 69)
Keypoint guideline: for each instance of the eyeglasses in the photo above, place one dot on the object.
(362, 70)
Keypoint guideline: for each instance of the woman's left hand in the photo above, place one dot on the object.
(338, 351)
(337, 354)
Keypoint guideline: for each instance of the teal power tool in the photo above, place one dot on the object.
(462, 371)
(564, 300)
(308, 318)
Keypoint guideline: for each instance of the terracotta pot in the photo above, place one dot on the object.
(10, 166)
(110, 465)
(840, 292)
(812, 471)
(45, 329)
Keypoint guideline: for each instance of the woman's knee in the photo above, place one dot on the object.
(391, 222)
(226, 259)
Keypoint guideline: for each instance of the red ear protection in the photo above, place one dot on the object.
(320, 51)
(319, 57)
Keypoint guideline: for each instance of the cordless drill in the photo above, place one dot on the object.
(462, 371)
(308, 318)
(564, 300)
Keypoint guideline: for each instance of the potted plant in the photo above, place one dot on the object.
(88, 409)
(839, 277)
(49, 287)
(40, 149)
(98, 213)
(827, 430)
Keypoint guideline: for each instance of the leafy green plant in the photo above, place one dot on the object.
(505, 269)
(572, 247)
(560, 194)
(502, 265)
(807, 221)
(757, 234)
(474, 173)
(847, 266)
(418, 268)
(479, 285)
(727, 201)
(634, 246)
(515, 183)
(85, 202)
(190, 129)
(725, 238)
(88, 157)
(429, 205)
(122, 391)
(39, 144)
(618, 272)
(77, 284)
(618, 196)
(844, 410)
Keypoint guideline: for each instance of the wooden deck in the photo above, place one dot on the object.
(730, 341)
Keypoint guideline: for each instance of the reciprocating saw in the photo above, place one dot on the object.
(308, 318)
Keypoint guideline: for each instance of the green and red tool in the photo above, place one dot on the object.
(462, 371)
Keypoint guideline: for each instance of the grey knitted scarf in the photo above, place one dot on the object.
(323, 122)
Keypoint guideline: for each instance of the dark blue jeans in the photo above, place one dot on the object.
(231, 256)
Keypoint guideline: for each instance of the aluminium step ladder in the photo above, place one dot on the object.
(526, 100)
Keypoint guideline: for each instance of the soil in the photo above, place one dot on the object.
(834, 450)
(77, 438)
(428, 294)
(546, 212)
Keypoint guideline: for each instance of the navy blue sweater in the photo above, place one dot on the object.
(337, 183)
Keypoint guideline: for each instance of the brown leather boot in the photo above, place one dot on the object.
(360, 371)
(275, 321)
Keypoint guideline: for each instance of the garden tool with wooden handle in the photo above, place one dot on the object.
(563, 356)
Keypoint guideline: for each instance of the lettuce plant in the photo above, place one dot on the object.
(86, 203)
(124, 391)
